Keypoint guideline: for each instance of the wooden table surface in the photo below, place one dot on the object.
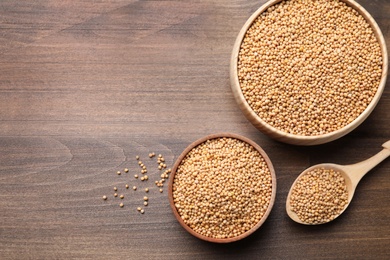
(85, 86)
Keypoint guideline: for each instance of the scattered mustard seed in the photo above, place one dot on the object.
(146, 198)
(145, 203)
(142, 211)
(139, 208)
(104, 197)
(127, 186)
(118, 172)
(161, 190)
(115, 194)
(121, 196)
(137, 157)
(126, 170)
(146, 190)
(136, 176)
(134, 187)
(121, 205)
(115, 188)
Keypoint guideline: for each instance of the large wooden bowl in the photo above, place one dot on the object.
(300, 139)
(172, 178)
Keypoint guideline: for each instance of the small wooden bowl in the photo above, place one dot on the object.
(172, 177)
(300, 139)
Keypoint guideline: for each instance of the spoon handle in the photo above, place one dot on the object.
(358, 170)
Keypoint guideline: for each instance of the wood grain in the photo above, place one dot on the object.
(88, 85)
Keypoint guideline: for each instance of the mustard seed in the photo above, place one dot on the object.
(161, 190)
(115, 188)
(146, 190)
(118, 172)
(126, 170)
(145, 203)
(142, 211)
(121, 196)
(139, 208)
(137, 157)
(136, 176)
(115, 194)
(134, 187)
(127, 186)
(104, 197)
(309, 67)
(146, 198)
(222, 188)
(121, 205)
(319, 196)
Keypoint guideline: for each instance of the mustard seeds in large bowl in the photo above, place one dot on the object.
(222, 188)
(309, 71)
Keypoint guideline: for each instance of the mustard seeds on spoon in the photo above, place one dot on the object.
(319, 196)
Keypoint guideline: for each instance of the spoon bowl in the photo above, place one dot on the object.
(352, 174)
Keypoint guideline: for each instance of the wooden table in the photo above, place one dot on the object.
(85, 86)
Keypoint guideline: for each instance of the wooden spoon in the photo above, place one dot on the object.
(352, 174)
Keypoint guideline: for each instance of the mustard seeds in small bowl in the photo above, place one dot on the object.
(222, 188)
(308, 72)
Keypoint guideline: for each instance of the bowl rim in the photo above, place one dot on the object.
(302, 139)
(181, 157)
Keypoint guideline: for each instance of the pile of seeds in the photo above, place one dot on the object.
(222, 188)
(144, 178)
(319, 196)
(309, 67)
